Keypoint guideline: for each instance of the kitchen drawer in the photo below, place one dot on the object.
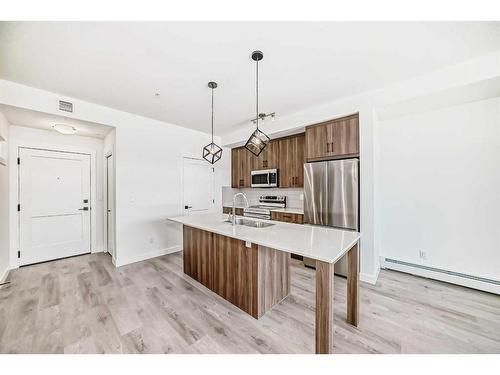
(287, 217)
(228, 210)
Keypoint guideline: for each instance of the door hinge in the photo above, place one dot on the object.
(18, 161)
(19, 254)
(19, 207)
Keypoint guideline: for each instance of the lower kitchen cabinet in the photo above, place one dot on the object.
(287, 217)
(228, 210)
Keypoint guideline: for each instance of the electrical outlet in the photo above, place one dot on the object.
(248, 244)
(422, 254)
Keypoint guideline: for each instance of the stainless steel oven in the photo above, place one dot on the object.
(265, 178)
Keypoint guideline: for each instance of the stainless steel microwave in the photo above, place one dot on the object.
(265, 178)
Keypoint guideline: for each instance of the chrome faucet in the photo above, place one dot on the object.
(233, 217)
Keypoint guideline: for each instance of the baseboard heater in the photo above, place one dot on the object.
(440, 270)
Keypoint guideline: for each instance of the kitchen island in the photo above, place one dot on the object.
(250, 266)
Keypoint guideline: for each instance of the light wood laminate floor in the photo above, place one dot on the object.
(86, 305)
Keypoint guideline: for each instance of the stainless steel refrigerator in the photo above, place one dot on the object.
(331, 198)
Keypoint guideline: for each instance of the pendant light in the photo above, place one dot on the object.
(211, 152)
(258, 140)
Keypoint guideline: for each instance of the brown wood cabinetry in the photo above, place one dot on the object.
(333, 139)
(287, 217)
(268, 158)
(291, 161)
(285, 154)
(253, 278)
(241, 166)
(228, 210)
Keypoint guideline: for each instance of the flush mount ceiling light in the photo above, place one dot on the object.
(64, 129)
(211, 152)
(258, 140)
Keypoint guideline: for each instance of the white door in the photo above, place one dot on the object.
(198, 186)
(110, 209)
(54, 197)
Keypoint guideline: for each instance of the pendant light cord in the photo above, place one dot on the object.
(257, 90)
(212, 115)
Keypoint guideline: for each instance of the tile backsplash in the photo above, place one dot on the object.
(293, 196)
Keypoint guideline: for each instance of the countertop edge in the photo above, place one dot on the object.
(244, 238)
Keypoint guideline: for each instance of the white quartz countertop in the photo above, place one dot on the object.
(321, 243)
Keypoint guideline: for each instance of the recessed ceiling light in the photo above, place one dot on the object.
(64, 129)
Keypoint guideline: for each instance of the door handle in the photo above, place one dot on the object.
(187, 207)
(327, 147)
(83, 209)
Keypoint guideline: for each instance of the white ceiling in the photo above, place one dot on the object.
(123, 64)
(41, 120)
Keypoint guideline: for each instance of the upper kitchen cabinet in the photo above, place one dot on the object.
(242, 162)
(268, 158)
(333, 139)
(291, 161)
(285, 154)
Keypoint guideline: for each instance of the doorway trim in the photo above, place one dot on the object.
(107, 155)
(14, 184)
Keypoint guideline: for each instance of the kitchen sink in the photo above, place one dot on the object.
(251, 223)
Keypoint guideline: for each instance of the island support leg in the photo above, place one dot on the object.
(353, 286)
(324, 307)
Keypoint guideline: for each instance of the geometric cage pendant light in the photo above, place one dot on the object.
(258, 140)
(211, 152)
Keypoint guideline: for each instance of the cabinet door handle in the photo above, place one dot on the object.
(332, 146)
(327, 147)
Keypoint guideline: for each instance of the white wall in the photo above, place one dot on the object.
(148, 156)
(21, 136)
(438, 180)
(4, 204)
(149, 187)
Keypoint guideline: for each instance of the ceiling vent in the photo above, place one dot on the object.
(65, 106)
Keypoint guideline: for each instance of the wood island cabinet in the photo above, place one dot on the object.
(333, 139)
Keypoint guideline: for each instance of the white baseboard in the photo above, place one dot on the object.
(4, 274)
(440, 276)
(369, 278)
(143, 256)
